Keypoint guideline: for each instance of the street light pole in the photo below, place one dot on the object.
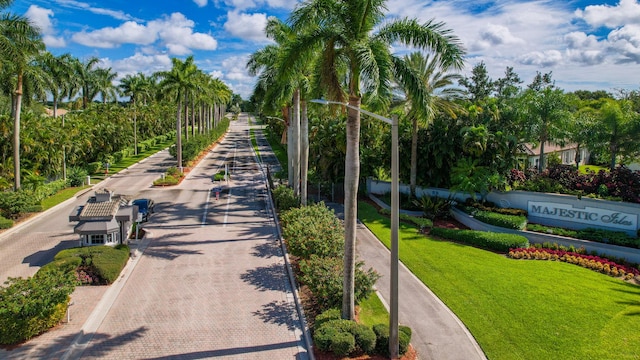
(394, 348)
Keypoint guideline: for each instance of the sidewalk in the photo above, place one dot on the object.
(437, 333)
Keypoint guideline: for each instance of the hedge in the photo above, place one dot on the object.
(29, 307)
(382, 339)
(345, 337)
(5, 223)
(106, 262)
(487, 240)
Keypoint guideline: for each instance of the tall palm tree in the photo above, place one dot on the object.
(83, 79)
(435, 83)
(60, 73)
(20, 42)
(137, 87)
(355, 56)
(178, 83)
(103, 79)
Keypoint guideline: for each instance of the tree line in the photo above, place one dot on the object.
(183, 100)
(456, 131)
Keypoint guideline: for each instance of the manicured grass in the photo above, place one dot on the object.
(61, 196)
(522, 309)
(254, 142)
(128, 161)
(372, 311)
(279, 150)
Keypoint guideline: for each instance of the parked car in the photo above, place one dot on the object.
(145, 207)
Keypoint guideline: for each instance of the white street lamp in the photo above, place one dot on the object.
(395, 211)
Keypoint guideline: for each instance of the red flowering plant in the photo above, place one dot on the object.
(592, 262)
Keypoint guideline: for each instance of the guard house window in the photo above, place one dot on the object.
(109, 238)
(97, 239)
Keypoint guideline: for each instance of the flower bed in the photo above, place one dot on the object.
(592, 262)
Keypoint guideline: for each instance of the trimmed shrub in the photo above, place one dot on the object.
(31, 306)
(487, 240)
(173, 171)
(5, 223)
(331, 314)
(516, 222)
(323, 276)
(382, 339)
(284, 199)
(332, 340)
(313, 230)
(105, 262)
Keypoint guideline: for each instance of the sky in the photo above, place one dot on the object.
(587, 45)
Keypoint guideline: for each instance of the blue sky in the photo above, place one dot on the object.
(591, 45)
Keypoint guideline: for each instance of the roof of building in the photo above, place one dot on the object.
(549, 148)
(96, 227)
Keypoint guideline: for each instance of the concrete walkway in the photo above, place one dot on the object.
(437, 333)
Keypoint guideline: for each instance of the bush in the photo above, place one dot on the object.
(284, 199)
(331, 314)
(330, 337)
(382, 339)
(141, 148)
(313, 230)
(324, 277)
(76, 176)
(5, 223)
(487, 240)
(173, 171)
(31, 306)
(516, 222)
(434, 207)
(13, 203)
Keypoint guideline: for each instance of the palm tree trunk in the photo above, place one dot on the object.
(16, 134)
(351, 176)
(295, 132)
(304, 152)
(414, 156)
(179, 135)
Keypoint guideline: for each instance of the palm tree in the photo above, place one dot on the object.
(355, 56)
(136, 87)
(435, 83)
(84, 79)
(179, 82)
(20, 42)
(103, 84)
(60, 73)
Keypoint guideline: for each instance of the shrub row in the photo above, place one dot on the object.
(516, 222)
(346, 337)
(196, 144)
(317, 239)
(487, 240)
(596, 263)
(599, 235)
(29, 307)
(5, 223)
(422, 223)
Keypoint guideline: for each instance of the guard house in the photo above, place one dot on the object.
(104, 220)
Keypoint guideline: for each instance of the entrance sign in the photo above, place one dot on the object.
(588, 215)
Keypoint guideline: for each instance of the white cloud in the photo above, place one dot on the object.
(626, 42)
(128, 33)
(239, 5)
(174, 32)
(625, 12)
(200, 3)
(247, 26)
(116, 14)
(139, 62)
(547, 58)
(216, 74)
(234, 68)
(41, 18)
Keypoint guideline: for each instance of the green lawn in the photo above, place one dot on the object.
(586, 168)
(372, 311)
(128, 161)
(523, 309)
(61, 196)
